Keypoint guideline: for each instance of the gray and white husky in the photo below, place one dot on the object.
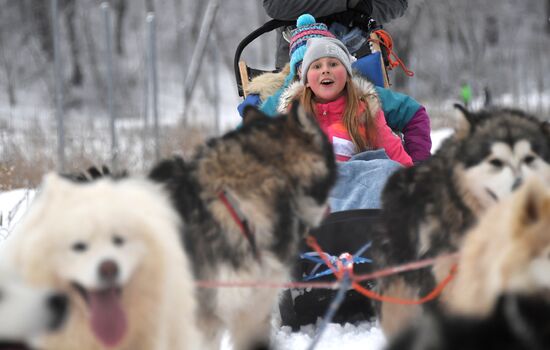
(276, 174)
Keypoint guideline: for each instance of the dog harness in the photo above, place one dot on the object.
(237, 215)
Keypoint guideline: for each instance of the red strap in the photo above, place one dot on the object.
(234, 215)
(241, 222)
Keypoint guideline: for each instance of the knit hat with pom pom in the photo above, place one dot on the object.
(306, 28)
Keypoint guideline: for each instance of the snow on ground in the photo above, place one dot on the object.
(438, 136)
(12, 206)
(365, 336)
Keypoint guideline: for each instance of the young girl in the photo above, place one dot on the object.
(350, 115)
(402, 113)
(348, 111)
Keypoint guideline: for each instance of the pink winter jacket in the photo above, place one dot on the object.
(329, 116)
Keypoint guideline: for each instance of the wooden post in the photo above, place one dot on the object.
(243, 71)
(376, 48)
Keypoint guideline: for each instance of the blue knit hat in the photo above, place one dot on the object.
(306, 28)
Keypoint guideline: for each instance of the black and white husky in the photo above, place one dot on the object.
(427, 209)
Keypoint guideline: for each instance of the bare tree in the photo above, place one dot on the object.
(120, 12)
(491, 30)
(264, 52)
(180, 27)
(69, 13)
(196, 22)
(93, 64)
(150, 5)
(42, 25)
(7, 67)
(404, 41)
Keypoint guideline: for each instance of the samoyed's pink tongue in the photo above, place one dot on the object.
(108, 319)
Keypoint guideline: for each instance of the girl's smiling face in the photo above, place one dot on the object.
(327, 78)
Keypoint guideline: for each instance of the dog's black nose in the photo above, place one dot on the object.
(108, 270)
(58, 304)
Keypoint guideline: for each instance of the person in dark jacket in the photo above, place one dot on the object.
(346, 12)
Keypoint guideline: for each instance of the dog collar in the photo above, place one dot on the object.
(232, 206)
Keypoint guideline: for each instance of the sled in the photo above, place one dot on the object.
(340, 232)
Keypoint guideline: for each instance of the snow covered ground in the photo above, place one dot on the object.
(366, 336)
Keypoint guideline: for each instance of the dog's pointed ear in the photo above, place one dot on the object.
(251, 114)
(532, 203)
(466, 122)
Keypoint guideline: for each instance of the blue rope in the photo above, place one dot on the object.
(314, 257)
(332, 308)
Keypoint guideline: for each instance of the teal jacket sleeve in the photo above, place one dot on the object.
(398, 108)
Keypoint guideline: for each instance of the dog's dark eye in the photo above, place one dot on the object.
(118, 241)
(80, 247)
(529, 159)
(497, 163)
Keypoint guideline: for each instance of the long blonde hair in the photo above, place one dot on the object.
(351, 119)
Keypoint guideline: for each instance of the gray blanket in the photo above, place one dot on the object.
(361, 181)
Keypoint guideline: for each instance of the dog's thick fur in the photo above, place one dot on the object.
(278, 172)
(26, 312)
(428, 208)
(113, 247)
(517, 322)
(508, 251)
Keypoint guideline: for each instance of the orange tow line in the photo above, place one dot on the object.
(339, 273)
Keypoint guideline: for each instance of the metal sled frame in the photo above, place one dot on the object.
(244, 73)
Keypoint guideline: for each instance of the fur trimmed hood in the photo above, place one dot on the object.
(267, 84)
(366, 90)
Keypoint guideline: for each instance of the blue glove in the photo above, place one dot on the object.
(252, 99)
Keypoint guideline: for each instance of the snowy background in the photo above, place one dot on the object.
(502, 46)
